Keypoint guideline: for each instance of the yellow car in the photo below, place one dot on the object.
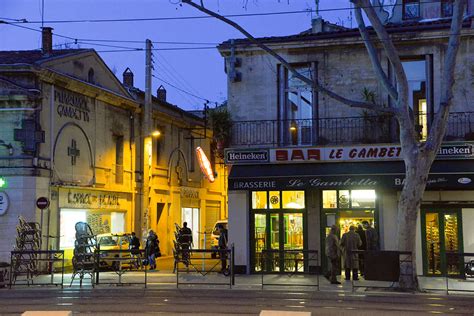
(114, 241)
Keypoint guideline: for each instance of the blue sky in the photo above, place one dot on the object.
(200, 72)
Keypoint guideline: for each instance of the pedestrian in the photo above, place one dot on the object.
(361, 232)
(333, 253)
(152, 248)
(134, 246)
(350, 242)
(185, 239)
(371, 236)
(222, 245)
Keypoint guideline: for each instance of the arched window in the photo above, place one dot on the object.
(90, 76)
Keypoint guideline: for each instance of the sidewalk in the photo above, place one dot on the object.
(165, 278)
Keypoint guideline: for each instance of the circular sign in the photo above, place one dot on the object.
(42, 202)
(4, 203)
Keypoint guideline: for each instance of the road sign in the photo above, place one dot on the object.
(42, 202)
(4, 203)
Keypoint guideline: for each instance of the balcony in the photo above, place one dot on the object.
(339, 131)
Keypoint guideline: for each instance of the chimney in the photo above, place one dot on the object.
(317, 25)
(47, 40)
(128, 78)
(161, 93)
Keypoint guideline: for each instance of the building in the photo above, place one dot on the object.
(302, 162)
(67, 134)
(178, 189)
(72, 132)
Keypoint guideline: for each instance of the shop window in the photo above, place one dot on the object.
(344, 197)
(447, 8)
(411, 9)
(119, 159)
(259, 199)
(274, 199)
(68, 220)
(363, 198)
(293, 199)
(330, 199)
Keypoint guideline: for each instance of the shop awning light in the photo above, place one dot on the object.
(205, 164)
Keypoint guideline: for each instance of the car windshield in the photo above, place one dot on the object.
(216, 228)
(108, 241)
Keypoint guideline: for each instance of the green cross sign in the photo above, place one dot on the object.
(3, 183)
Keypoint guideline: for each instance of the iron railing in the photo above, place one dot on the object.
(341, 131)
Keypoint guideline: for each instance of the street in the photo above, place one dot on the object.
(132, 300)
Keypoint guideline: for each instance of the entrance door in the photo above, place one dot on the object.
(275, 232)
(191, 216)
(441, 232)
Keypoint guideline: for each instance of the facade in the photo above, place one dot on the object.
(302, 162)
(72, 132)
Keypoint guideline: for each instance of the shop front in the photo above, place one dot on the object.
(104, 211)
(293, 205)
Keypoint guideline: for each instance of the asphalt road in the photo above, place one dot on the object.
(130, 300)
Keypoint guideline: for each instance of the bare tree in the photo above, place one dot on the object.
(417, 155)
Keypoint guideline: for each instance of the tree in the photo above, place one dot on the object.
(418, 156)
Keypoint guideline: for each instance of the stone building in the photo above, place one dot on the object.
(302, 161)
(71, 132)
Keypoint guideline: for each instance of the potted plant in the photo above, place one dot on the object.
(221, 124)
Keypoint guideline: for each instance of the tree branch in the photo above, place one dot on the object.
(438, 127)
(373, 55)
(313, 83)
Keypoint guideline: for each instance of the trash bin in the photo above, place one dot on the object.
(4, 274)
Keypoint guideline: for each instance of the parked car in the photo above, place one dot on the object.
(114, 241)
(216, 233)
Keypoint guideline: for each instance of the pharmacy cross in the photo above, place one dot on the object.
(73, 152)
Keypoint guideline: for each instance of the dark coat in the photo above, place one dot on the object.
(351, 241)
(152, 245)
(222, 241)
(372, 239)
(361, 232)
(332, 246)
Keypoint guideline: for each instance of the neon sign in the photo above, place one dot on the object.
(205, 164)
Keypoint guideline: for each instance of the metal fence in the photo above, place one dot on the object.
(27, 265)
(297, 264)
(204, 267)
(365, 129)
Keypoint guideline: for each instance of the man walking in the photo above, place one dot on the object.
(333, 254)
(371, 236)
(351, 241)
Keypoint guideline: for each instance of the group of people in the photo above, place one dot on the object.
(364, 237)
(152, 249)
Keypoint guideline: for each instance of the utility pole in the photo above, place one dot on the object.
(147, 142)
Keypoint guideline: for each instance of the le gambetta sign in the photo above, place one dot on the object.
(338, 154)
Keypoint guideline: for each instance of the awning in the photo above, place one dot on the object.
(450, 174)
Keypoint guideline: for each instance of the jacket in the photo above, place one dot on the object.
(351, 241)
(332, 246)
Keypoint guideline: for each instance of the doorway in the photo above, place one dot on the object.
(191, 216)
(441, 239)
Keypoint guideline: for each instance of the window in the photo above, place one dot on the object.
(447, 8)
(417, 89)
(347, 199)
(411, 9)
(90, 76)
(278, 200)
(119, 159)
(297, 112)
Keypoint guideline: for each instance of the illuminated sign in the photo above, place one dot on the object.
(205, 164)
(3, 183)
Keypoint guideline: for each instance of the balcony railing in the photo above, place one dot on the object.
(340, 131)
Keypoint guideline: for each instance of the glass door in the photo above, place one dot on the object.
(260, 239)
(293, 240)
(441, 242)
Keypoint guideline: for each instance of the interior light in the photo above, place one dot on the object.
(293, 205)
(363, 195)
(293, 128)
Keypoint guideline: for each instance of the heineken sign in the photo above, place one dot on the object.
(464, 150)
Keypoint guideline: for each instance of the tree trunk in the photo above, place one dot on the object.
(417, 170)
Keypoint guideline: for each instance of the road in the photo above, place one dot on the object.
(131, 300)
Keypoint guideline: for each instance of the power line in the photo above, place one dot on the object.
(197, 17)
(192, 94)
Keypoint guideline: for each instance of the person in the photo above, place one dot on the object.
(361, 232)
(185, 240)
(222, 245)
(351, 241)
(333, 254)
(152, 248)
(371, 236)
(134, 246)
